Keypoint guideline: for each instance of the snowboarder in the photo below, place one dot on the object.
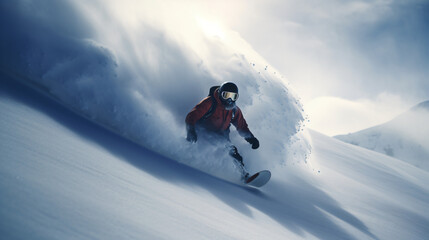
(214, 114)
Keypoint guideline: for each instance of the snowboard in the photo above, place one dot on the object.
(258, 179)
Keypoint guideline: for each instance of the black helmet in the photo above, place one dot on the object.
(228, 94)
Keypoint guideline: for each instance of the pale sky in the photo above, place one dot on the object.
(355, 64)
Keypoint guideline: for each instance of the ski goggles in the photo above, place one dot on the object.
(225, 95)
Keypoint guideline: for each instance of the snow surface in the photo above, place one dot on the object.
(63, 177)
(405, 137)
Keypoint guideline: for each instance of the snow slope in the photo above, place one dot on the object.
(405, 137)
(63, 177)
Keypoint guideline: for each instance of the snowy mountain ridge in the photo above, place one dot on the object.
(404, 137)
(422, 106)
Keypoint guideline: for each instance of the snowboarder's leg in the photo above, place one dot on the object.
(238, 160)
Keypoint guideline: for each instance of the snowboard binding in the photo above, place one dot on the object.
(258, 179)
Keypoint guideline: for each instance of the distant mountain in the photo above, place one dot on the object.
(406, 137)
(422, 106)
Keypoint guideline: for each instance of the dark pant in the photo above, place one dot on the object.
(223, 137)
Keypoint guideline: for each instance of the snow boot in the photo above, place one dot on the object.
(238, 159)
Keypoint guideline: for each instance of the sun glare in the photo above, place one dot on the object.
(211, 29)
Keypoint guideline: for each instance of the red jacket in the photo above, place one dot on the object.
(221, 118)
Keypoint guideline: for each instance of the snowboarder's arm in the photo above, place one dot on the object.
(198, 111)
(240, 123)
(242, 128)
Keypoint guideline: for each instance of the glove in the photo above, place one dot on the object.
(192, 134)
(252, 140)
